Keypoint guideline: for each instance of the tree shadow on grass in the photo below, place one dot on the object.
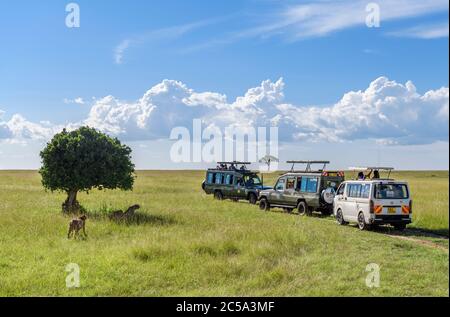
(139, 218)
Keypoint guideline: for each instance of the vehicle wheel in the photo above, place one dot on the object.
(340, 218)
(252, 199)
(362, 222)
(218, 195)
(400, 226)
(303, 209)
(264, 204)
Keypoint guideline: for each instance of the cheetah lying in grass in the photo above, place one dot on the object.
(120, 215)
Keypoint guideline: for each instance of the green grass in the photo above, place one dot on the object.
(185, 243)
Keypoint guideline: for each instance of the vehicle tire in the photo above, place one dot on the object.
(264, 204)
(218, 195)
(252, 199)
(362, 225)
(203, 185)
(340, 218)
(303, 209)
(400, 226)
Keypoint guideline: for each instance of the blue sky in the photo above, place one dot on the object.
(50, 74)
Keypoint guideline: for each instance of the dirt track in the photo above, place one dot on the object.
(421, 242)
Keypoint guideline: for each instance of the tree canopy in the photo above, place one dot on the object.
(84, 159)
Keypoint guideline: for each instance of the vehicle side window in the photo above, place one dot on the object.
(365, 191)
(229, 179)
(210, 178)
(312, 184)
(309, 184)
(280, 184)
(219, 177)
(290, 183)
(299, 183)
(355, 190)
(304, 183)
(391, 191)
(358, 190)
(341, 189)
(351, 188)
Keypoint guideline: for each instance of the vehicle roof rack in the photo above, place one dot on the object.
(308, 164)
(367, 168)
(228, 165)
(373, 168)
(235, 162)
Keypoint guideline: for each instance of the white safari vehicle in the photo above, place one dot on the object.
(373, 201)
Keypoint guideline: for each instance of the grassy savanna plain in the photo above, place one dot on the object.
(184, 243)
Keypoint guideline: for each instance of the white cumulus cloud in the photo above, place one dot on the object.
(386, 111)
(18, 129)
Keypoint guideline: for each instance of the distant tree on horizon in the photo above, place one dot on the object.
(268, 159)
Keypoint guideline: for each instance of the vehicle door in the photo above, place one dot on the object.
(351, 201)
(228, 186)
(276, 194)
(239, 186)
(391, 199)
(308, 190)
(363, 200)
(339, 199)
(209, 182)
(218, 182)
(289, 196)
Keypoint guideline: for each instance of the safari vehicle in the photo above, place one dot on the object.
(374, 201)
(228, 180)
(307, 190)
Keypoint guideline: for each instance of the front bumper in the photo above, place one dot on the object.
(379, 219)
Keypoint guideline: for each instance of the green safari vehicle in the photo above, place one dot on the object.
(230, 181)
(307, 190)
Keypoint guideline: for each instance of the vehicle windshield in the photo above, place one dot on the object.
(252, 180)
(391, 191)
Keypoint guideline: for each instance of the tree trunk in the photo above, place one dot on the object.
(71, 204)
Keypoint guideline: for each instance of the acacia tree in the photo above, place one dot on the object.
(82, 160)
